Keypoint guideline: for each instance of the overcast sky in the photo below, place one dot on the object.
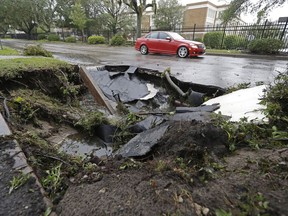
(273, 16)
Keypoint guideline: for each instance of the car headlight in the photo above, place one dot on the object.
(194, 46)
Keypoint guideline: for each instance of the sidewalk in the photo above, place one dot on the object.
(27, 199)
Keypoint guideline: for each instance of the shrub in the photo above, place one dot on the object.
(232, 41)
(96, 39)
(276, 100)
(213, 39)
(53, 37)
(265, 46)
(8, 36)
(36, 51)
(41, 37)
(199, 40)
(70, 39)
(117, 40)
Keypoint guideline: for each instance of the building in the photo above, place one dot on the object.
(200, 14)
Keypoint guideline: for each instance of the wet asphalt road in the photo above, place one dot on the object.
(221, 71)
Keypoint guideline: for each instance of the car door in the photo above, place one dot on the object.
(152, 42)
(165, 43)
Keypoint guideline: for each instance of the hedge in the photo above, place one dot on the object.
(265, 46)
(213, 40)
(53, 37)
(96, 39)
(117, 40)
(70, 39)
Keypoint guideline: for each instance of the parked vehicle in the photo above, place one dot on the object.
(169, 43)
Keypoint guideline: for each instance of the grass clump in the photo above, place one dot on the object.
(53, 180)
(11, 68)
(8, 51)
(37, 50)
(18, 181)
(91, 121)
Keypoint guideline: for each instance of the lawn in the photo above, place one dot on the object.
(10, 68)
(8, 51)
(223, 51)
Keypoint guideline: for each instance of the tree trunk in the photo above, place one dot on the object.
(83, 39)
(138, 30)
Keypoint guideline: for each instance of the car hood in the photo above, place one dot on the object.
(190, 41)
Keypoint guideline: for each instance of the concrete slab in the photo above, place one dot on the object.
(4, 129)
(95, 90)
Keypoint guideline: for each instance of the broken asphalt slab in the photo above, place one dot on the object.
(141, 144)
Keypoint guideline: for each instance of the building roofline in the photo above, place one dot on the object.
(207, 2)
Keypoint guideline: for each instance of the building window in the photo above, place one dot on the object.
(211, 13)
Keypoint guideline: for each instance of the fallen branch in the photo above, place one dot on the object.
(173, 85)
(55, 158)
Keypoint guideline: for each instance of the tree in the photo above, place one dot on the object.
(52, 11)
(23, 15)
(169, 14)
(237, 7)
(139, 7)
(4, 23)
(78, 17)
(116, 13)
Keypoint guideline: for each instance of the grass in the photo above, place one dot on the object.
(10, 68)
(8, 51)
(223, 51)
(18, 181)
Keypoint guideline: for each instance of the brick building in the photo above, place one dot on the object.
(202, 13)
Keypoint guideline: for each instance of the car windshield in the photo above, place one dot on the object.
(176, 36)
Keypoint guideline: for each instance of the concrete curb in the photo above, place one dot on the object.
(270, 57)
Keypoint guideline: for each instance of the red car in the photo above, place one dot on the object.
(168, 43)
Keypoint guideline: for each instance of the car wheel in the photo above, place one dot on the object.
(182, 52)
(144, 50)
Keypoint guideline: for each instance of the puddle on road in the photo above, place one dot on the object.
(75, 59)
(80, 145)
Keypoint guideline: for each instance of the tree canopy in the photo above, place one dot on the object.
(169, 15)
(262, 7)
(139, 6)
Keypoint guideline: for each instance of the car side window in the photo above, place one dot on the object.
(148, 36)
(163, 35)
(154, 35)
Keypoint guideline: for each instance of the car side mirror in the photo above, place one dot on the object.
(168, 38)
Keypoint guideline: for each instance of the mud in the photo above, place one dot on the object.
(190, 172)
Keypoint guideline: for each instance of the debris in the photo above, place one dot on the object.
(241, 103)
(141, 144)
(194, 98)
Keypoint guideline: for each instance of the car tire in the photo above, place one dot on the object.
(144, 50)
(182, 52)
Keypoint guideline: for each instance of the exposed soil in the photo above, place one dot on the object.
(189, 172)
(197, 177)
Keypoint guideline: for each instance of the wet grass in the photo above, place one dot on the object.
(8, 51)
(10, 68)
(223, 51)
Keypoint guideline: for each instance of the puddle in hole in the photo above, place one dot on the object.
(80, 145)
